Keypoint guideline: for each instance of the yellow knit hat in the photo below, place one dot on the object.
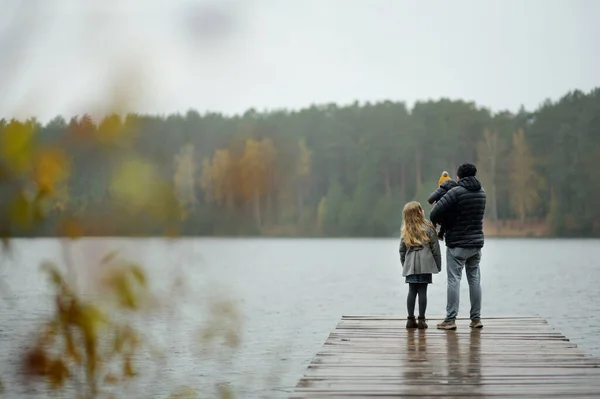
(445, 176)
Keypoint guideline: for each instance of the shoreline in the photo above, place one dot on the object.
(500, 229)
(516, 229)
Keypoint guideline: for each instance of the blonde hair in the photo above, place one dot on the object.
(414, 232)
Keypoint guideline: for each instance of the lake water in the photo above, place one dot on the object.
(292, 293)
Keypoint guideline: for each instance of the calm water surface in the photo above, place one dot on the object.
(291, 294)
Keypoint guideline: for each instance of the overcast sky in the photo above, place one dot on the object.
(59, 57)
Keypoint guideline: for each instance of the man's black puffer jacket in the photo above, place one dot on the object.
(465, 206)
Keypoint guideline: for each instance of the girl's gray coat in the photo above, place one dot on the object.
(423, 259)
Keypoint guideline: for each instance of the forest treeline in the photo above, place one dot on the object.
(326, 170)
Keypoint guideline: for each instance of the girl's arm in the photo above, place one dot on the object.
(402, 251)
(434, 245)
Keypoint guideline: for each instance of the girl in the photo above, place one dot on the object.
(420, 257)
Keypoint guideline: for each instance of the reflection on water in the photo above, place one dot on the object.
(464, 367)
(292, 293)
(474, 365)
(440, 357)
(416, 345)
(443, 357)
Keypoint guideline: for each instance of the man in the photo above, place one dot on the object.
(461, 212)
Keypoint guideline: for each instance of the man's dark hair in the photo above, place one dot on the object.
(466, 170)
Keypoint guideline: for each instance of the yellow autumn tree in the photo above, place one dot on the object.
(218, 178)
(185, 176)
(257, 173)
(525, 182)
(253, 176)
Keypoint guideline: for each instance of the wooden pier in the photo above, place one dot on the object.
(512, 357)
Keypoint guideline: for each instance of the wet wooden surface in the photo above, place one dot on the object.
(511, 357)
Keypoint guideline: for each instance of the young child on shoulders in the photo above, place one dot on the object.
(420, 257)
(445, 184)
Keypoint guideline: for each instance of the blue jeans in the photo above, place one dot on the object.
(456, 259)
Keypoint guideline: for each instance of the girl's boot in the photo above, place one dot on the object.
(411, 322)
(421, 323)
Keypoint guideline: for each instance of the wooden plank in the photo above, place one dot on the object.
(497, 320)
(376, 356)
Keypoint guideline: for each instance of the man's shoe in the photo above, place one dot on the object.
(447, 325)
(411, 322)
(476, 324)
(421, 324)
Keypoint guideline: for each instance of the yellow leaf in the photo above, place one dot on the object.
(139, 275)
(53, 272)
(51, 167)
(89, 319)
(129, 284)
(128, 370)
(16, 143)
(57, 373)
(120, 284)
(133, 184)
(36, 362)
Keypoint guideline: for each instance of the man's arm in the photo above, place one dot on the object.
(443, 207)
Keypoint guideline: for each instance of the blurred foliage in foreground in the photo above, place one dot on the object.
(325, 170)
(90, 343)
